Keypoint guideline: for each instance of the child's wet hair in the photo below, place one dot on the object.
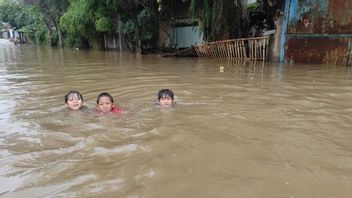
(164, 93)
(71, 94)
(104, 94)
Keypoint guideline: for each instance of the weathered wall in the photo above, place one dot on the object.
(318, 31)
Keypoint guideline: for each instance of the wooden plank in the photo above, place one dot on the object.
(244, 49)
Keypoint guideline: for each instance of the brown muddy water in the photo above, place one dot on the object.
(237, 129)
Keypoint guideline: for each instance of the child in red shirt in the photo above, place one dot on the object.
(105, 104)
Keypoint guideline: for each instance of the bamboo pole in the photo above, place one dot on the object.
(250, 49)
(224, 51)
(228, 45)
(238, 46)
(259, 49)
(214, 50)
(255, 49)
(231, 49)
(212, 53)
(264, 49)
(238, 49)
(244, 54)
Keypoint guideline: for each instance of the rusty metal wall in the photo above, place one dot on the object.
(318, 31)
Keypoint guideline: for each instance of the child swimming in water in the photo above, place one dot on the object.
(105, 104)
(165, 98)
(74, 101)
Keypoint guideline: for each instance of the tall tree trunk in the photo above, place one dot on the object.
(105, 42)
(59, 33)
(101, 41)
(138, 35)
(50, 32)
(120, 35)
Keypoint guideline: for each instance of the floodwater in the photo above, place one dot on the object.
(238, 129)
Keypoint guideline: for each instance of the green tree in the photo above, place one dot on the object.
(35, 29)
(12, 13)
(52, 11)
(262, 15)
(93, 21)
(87, 23)
(221, 19)
(27, 19)
(77, 23)
(131, 10)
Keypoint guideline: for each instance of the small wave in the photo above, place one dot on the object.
(119, 149)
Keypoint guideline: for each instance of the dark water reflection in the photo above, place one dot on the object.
(239, 129)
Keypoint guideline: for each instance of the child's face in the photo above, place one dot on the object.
(74, 102)
(105, 104)
(166, 101)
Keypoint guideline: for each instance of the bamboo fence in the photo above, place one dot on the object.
(255, 48)
(349, 54)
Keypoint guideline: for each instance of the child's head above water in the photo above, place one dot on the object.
(105, 103)
(165, 97)
(74, 100)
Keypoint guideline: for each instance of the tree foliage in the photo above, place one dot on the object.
(13, 13)
(52, 10)
(27, 19)
(88, 23)
(92, 21)
(77, 23)
(34, 28)
(262, 15)
(221, 19)
(226, 19)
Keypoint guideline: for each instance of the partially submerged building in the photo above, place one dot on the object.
(317, 31)
(11, 34)
(179, 30)
(308, 31)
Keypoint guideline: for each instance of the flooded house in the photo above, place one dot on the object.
(181, 32)
(316, 31)
(308, 31)
(178, 30)
(10, 33)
